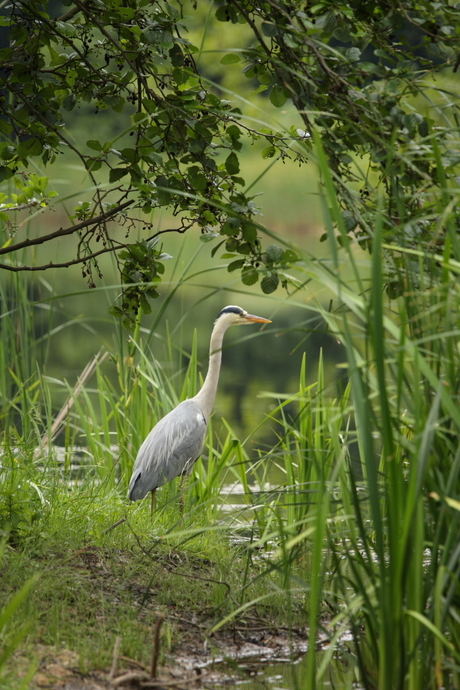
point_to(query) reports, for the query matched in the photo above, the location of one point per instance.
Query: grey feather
(169, 450)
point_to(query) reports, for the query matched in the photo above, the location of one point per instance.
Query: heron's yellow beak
(256, 319)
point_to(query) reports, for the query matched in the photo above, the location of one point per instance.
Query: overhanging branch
(71, 13)
(14, 268)
(62, 232)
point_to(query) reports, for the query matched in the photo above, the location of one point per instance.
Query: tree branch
(71, 13)
(65, 231)
(45, 267)
(32, 204)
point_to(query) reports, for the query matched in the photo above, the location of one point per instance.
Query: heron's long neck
(207, 394)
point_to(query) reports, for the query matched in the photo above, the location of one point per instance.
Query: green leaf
(274, 253)
(227, 229)
(349, 220)
(116, 311)
(342, 34)
(138, 251)
(277, 96)
(8, 152)
(131, 155)
(31, 147)
(270, 29)
(234, 131)
(244, 248)
(93, 165)
(268, 152)
(226, 13)
(172, 11)
(289, 256)
(71, 77)
(197, 179)
(69, 102)
(270, 283)
(117, 174)
(249, 232)
(146, 308)
(164, 197)
(94, 144)
(250, 276)
(208, 237)
(234, 265)
(216, 248)
(230, 59)
(231, 245)
(232, 164)
(5, 127)
(353, 54)
(180, 76)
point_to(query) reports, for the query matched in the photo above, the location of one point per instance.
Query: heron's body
(176, 442)
(169, 450)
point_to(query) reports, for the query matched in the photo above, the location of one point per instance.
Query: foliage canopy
(357, 72)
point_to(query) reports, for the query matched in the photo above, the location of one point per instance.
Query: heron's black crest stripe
(231, 310)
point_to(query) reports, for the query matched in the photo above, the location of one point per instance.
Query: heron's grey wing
(170, 449)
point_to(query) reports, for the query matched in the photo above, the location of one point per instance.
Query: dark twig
(198, 577)
(44, 267)
(156, 644)
(71, 13)
(118, 522)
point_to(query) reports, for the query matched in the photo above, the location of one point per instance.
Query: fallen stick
(113, 668)
(142, 679)
(156, 644)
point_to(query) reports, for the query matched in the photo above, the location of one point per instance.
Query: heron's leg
(152, 504)
(183, 483)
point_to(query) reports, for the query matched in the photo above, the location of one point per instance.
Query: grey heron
(177, 440)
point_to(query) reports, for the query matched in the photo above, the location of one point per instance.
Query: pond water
(266, 671)
(286, 676)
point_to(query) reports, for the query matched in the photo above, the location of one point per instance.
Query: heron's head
(235, 316)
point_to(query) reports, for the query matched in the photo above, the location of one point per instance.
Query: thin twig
(130, 677)
(115, 524)
(156, 644)
(198, 577)
(133, 662)
(21, 207)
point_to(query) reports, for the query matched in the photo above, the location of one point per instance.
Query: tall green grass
(371, 498)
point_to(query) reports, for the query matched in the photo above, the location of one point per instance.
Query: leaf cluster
(129, 59)
(357, 73)
(353, 71)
